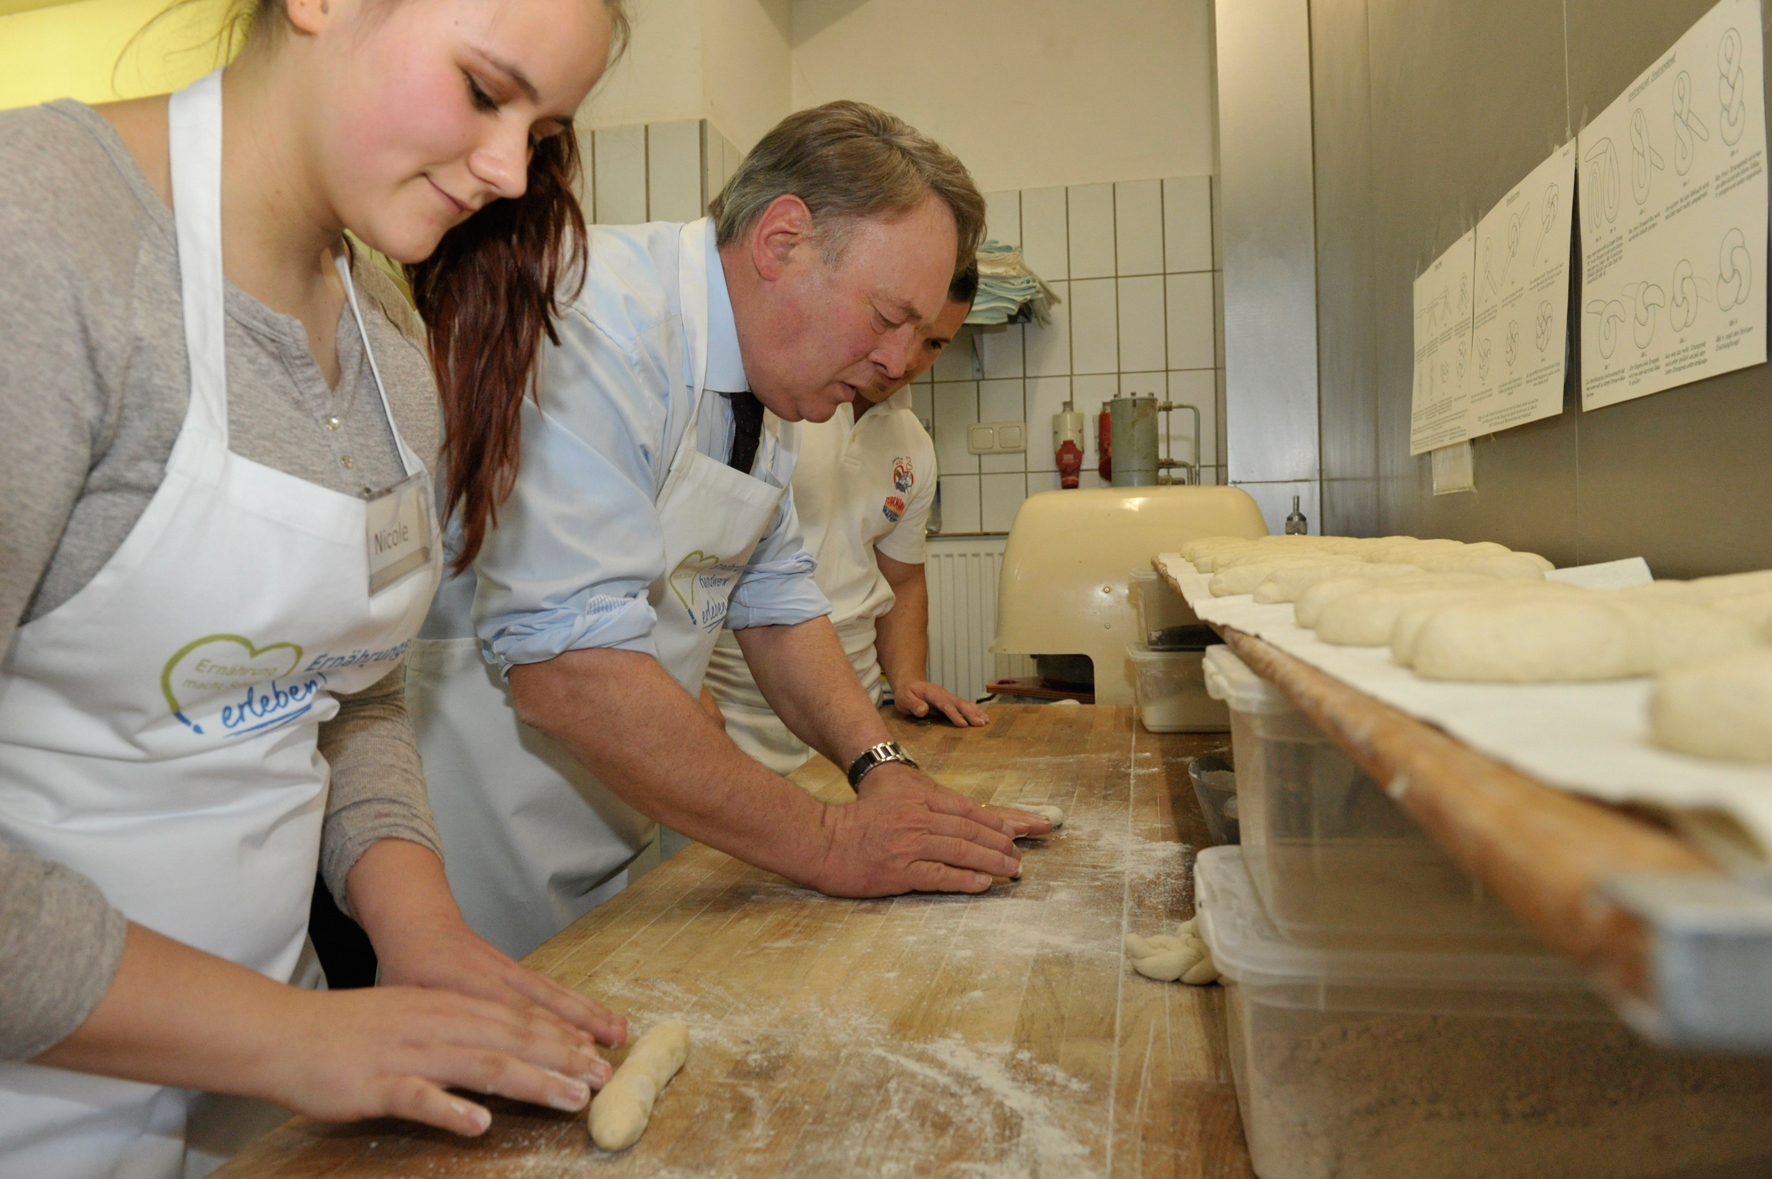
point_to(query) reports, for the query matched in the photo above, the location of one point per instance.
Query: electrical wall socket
(997, 437)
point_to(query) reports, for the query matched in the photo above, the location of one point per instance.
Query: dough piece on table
(1056, 814)
(1313, 601)
(1245, 577)
(1508, 566)
(1753, 609)
(1731, 585)
(619, 1112)
(1716, 708)
(1569, 638)
(1287, 583)
(1366, 619)
(1171, 957)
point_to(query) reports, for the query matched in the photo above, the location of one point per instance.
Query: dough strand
(619, 1113)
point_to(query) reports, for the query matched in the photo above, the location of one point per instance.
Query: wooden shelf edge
(1543, 851)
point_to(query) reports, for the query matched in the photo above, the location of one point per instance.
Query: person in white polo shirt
(863, 486)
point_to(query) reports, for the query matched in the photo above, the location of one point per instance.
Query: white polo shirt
(859, 488)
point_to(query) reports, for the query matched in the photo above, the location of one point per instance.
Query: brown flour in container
(1348, 1095)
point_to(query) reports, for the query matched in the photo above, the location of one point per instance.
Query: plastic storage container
(1456, 1064)
(1331, 855)
(1164, 617)
(1215, 786)
(1172, 692)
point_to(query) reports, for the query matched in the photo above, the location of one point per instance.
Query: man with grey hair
(654, 508)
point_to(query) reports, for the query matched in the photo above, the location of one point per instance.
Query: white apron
(158, 730)
(753, 725)
(532, 839)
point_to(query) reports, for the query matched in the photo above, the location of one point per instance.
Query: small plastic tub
(1172, 692)
(1458, 1063)
(1332, 856)
(1164, 617)
(1215, 785)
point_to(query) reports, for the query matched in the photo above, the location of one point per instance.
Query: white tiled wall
(654, 171)
(1134, 265)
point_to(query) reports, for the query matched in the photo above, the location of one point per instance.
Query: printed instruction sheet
(1673, 217)
(1520, 330)
(1439, 411)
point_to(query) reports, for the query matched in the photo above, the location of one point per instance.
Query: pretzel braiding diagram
(1610, 313)
(1644, 159)
(1688, 127)
(1602, 179)
(1734, 271)
(1682, 307)
(1649, 299)
(1731, 87)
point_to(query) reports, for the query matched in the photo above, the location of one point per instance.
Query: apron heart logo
(687, 573)
(223, 664)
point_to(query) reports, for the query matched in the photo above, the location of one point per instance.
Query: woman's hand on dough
(396, 1051)
(916, 699)
(905, 833)
(446, 955)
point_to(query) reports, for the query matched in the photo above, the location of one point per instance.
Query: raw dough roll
(1056, 814)
(1569, 637)
(1313, 601)
(618, 1113)
(1717, 708)
(1286, 582)
(1365, 619)
(1244, 577)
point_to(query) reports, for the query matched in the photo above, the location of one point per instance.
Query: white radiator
(962, 574)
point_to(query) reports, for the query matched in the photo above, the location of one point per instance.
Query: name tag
(401, 527)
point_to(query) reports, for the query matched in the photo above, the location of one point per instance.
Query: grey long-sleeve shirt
(93, 391)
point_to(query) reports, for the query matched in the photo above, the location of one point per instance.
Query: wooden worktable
(1001, 1035)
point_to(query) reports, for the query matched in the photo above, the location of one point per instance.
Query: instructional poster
(1439, 408)
(1673, 217)
(1519, 334)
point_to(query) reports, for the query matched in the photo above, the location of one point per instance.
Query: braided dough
(619, 1113)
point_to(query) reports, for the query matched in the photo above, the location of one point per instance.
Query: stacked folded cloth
(1008, 292)
(1483, 613)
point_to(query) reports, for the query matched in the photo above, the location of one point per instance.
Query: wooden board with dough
(1001, 1035)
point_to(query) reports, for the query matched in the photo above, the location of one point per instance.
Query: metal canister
(1134, 420)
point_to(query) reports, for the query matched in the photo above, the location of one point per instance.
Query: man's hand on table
(907, 833)
(916, 699)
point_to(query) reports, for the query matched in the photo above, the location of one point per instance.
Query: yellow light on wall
(89, 50)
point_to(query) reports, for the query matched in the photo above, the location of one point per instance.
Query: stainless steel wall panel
(1347, 387)
(1265, 176)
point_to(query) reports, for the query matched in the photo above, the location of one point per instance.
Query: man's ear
(785, 226)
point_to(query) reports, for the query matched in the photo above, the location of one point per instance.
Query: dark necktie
(747, 432)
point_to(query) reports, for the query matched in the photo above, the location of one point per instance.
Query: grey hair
(848, 161)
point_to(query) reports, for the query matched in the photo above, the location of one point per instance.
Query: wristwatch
(871, 759)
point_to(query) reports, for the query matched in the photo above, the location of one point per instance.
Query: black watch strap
(875, 757)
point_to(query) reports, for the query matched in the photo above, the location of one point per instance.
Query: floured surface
(1591, 738)
(996, 1037)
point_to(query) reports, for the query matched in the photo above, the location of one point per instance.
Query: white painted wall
(727, 61)
(1030, 93)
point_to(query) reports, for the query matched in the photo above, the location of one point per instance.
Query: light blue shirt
(579, 541)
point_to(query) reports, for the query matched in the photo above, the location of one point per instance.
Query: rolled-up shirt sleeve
(777, 587)
(578, 542)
